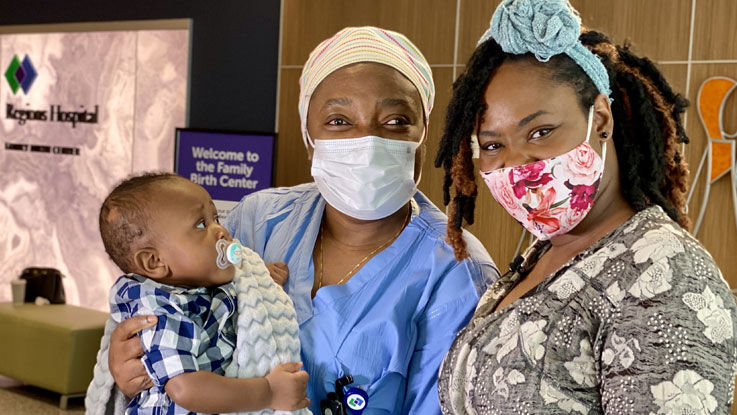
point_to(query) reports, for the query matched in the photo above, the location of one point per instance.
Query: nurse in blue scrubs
(378, 291)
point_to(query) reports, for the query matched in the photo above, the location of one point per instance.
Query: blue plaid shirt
(195, 331)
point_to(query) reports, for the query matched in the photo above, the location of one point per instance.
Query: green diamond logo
(10, 74)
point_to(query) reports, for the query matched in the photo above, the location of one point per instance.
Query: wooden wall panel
(430, 24)
(718, 232)
(658, 29)
(474, 20)
(715, 30)
(292, 165)
(676, 75)
(432, 178)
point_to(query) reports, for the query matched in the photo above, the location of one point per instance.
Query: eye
(398, 121)
(491, 146)
(540, 133)
(216, 219)
(200, 224)
(338, 122)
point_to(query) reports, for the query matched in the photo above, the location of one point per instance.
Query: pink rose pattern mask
(550, 197)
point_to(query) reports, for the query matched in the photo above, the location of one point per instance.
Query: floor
(19, 399)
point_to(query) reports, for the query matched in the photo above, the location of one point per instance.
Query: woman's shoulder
(276, 197)
(668, 293)
(652, 257)
(433, 223)
(258, 206)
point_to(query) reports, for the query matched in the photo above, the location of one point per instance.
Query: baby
(162, 231)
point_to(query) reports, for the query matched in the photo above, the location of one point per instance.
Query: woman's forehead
(519, 78)
(366, 81)
(527, 85)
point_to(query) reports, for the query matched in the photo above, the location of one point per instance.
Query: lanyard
(350, 402)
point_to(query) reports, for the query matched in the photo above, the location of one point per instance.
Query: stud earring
(604, 135)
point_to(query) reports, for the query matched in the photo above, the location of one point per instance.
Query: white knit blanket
(268, 335)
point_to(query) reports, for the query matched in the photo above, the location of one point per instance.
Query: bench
(50, 346)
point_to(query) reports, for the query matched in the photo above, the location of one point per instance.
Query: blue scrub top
(392, 323)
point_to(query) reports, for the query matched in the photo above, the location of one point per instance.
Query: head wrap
(545, 28)
(365, 44)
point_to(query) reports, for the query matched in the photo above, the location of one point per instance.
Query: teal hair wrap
(544, 28)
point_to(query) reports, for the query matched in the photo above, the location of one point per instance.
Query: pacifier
(229, 253)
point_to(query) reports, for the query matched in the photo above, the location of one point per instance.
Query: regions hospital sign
(21, 75)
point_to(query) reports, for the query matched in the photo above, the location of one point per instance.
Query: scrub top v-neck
(391, 324)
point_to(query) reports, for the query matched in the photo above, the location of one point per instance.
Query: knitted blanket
(268, 335)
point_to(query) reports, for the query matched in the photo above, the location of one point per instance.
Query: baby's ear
(150, 264)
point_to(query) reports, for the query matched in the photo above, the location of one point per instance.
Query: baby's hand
(288, 387)
(279, 272)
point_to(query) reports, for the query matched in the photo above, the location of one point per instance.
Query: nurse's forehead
(346, 101)
(366, 79)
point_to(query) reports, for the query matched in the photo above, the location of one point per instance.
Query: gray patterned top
(640, 322)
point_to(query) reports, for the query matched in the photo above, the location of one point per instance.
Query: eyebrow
(530, 117)
(393, 102)
(338, 101)
(386, 102)
(522, 123)
(488, 133)
(197, 210)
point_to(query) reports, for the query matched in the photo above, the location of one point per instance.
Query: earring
(604, 135)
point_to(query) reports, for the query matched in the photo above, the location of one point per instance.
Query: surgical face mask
(550, 197)
(366, 178)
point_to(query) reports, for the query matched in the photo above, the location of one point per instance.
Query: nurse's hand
(279, 272)
(124, 355)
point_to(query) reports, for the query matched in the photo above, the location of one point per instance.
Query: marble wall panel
(161, 85)
(49, 203)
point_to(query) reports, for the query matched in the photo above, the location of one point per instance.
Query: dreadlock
(647, 128)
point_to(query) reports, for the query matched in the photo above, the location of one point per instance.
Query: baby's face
(186, 228)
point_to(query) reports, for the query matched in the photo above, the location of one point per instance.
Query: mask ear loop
(604, 136)
(303, 125)
(603, 141)
(422, 140)
(424, 136)
(426, 125)
(589, 123)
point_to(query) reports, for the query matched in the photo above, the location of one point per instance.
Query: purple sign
(228, 165)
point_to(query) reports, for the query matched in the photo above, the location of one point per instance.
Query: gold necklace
(384, 244)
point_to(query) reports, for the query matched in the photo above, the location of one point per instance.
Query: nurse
(378, 291)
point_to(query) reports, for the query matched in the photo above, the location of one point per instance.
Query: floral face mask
(550, 197)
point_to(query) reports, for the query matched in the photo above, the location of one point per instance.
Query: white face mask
(366, 178)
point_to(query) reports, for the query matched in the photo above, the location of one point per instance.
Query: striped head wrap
(544, 28)
(365, 44)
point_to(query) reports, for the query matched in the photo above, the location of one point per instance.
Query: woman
(616, 308)
(377, 290)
